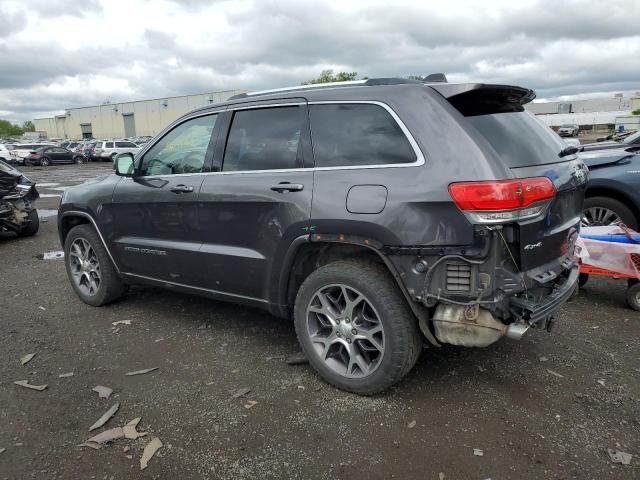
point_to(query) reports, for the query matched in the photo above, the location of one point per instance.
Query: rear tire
(100, 272)
(583, 278)
(79, 160)
(32, 227)
(633, 296)
(374, 301)
(596, 212)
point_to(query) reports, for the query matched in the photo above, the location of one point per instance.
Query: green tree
(327, 76)
(28, 126)
(415, 77)
(636, 111)
(7, 129)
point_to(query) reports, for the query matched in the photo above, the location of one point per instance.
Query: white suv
(108, 149)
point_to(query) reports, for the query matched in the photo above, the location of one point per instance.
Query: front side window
(182, 150)
(264, 139)
(357, 134)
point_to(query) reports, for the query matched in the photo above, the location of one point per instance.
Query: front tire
(89, 268)
(32, 227)
(45, 162)
(633, 296)
(354, 326)
(79, 160)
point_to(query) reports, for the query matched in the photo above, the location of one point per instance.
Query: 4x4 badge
(312, 228)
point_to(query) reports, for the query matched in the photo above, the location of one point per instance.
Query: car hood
(587, 147)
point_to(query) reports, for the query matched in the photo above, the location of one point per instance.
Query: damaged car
(378, 214)
(17, 196)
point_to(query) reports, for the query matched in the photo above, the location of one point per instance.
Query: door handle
(286, 186)
(182, 189)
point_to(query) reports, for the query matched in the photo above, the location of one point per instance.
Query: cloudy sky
(62, 53)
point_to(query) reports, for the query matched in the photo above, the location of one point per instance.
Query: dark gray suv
(376, 213)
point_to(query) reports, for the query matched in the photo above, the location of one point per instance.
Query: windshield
(566, 125)
(632, 138)
(519, 138)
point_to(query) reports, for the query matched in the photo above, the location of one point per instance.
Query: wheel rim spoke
(85, 267)
(345, 331)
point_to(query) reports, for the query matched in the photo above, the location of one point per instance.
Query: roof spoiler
(481, 99)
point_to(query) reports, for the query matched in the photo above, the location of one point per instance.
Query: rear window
(519, 139)
(357, 135)
(125, 145)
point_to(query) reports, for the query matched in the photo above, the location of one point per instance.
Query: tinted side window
(182, 150)
(264, 139)
(125, 145)
(357, 134)
(108, 145)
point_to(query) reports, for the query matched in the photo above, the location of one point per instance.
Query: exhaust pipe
(515, 331)
(454, 325)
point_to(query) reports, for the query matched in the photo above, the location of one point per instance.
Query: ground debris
(617, 456)
(103, 392)
(65, 375)
(543, 359)
(250, 404)
(411, 424)
(104, 418)
(240, 393)
(26, 384)
(478, 452)
(149, 451)
(97, 441)
(27, 358)
(121, 322)
(555, 374)
(297, 359)
(130, 429)
(441, 476)
(141, 372)
(600, 382)
(2, 450)
(53, 255)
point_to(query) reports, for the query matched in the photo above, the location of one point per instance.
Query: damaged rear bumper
(536, 312)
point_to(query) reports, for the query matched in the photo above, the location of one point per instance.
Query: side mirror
(123, 164)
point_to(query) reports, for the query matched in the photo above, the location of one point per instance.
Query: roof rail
(353, 83)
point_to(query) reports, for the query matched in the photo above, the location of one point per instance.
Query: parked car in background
(628, 141)
(46, 156)
(568, 130)
(107, 150)
(440, 212)
(22, 150)
(613, 192)
(5, 153)
(571, 142)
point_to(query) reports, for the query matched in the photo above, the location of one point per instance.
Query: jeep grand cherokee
(376, 213)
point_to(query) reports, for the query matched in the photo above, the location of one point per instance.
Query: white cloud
(55, 54)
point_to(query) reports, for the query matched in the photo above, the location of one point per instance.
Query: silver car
(108, 149)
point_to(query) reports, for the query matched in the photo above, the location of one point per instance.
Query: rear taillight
(503, 200)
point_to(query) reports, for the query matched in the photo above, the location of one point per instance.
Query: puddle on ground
(47, 212)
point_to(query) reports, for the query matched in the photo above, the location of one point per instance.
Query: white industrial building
(590, 114)
(124, 119)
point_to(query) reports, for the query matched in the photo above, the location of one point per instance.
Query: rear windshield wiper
(568, 151)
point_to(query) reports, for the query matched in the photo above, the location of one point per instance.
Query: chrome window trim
(69, 213)
(420, 160)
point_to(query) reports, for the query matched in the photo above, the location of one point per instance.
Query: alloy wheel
(600, 216)
(85, 267)
(345, 331)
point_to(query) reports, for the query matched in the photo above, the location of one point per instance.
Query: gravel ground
(547, 407)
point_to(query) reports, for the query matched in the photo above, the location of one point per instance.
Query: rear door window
(265, 139)
(125, 145)
(519, 139)
(357, 135)
(108, 145)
